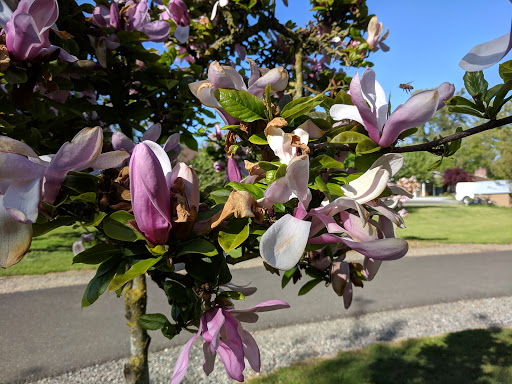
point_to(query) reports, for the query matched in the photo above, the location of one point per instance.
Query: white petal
(392, 162)
(110, 159)
(164, 160)
(312, 129)
(346, 112)
(22, 200)
(181, 33)
(487, 54)
(280, 143)
(284, 242)
(368, 186)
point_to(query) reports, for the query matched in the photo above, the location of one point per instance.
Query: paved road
(44, 332)
(432, 200)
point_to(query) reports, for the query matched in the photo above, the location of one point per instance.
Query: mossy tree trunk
(136, 371)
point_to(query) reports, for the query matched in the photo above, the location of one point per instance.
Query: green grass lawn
(468, 357)
(458, 224)
(49, 253)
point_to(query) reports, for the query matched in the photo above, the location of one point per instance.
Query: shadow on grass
(468, 357)
(423, 238)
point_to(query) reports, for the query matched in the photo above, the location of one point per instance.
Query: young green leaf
(234, 234)
(153, 321)
(241, 104)
(309, 286)
(134, 271)
(200, 246)
(97, 254)
(300, 107)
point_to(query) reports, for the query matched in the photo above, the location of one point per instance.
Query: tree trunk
(136, 371)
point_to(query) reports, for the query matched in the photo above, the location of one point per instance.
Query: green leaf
(281, 171)
(475, 83)
(200, 246)
(15, 76)
(349, 137)
(258, 139)
(232, 127)
(322, 186)
(407, 133)
(343, 97)
(267, 166)
(252, 189)
(466, 110)
(97, 254)
(233, 295)
(287, 276)
(96, 219)
(87, 197)
(115, 227)
(99, 283)
(220, 196)
(270, 176)
(241, 104)
(153, 321)
(41, 229)
(134, 271)
(459, 100)
(435, 165)
(366, 146)
(309, 286)
(506, 71)
(325, 162)
(300, 107)
(234, 234)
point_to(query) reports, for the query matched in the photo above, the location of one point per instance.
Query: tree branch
(427, 147)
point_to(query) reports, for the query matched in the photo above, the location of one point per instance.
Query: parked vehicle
(466, 191)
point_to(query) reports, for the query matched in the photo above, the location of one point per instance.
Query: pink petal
(231, 350)
(233, 171)
(172, 142)
(384, 249)
(151, 201)
(297, 178)
(16, 238)
(181, 33)
(446, 91)
(157, 31)
(416, 111)
(369, 118)
(251, 350)
(209, 359)
(163, 158)
(277, 78)
(14, 146)
(153, 133)
(22, 200)
(18, 167)
(111, 159)
(213, 322)
(255, 72)
(283, 244)
(279, 192)
(121, 142)
(353, 226)
(371, 267)
(78, 247)
(180, 368)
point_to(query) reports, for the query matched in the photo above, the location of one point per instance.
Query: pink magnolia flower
(219, 166)
(122, 142)
(223, 333)
(26, 179)
(28, 29)
(178, 12)
(370, 108)
(233, 170)
(374, 39)
(226, 77)
(151, 179)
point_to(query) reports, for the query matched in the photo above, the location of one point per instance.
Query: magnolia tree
(318, 159)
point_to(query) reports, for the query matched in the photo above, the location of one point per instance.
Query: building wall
(498, 199)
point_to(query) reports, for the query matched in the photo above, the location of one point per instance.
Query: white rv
(466, 191)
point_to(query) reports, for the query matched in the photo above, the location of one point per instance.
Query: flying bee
(406, 87)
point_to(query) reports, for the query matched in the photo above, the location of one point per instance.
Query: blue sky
(427, 38)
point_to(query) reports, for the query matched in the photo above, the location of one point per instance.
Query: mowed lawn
(49, 253)
(469, 357)
(458, 224)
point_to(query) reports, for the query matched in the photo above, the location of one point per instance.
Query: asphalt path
(45, 333)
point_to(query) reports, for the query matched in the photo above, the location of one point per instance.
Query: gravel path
(10, 284)
(284, 346)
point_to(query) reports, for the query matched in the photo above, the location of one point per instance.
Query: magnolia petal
(233, 170)
(23, 40)
(375, 96)
(391, 162)
(416, 111)
(347, 295)
(153, 133)
(487, 54)
(251, 350)
(297, 178)
(14, 146)
(231, 349)
(189, 177)
(346, 112)
(340, 276)
(78, 247)
(209, 359)
(369, 118)
(172, 142)
(18, 167)
(111, 159)
(237, 79)
(324, 222)
(280, 143)
(5, 14)
(245, 290)
(370, 267)
(303, 135)
(314, 132)
(163, 158)
(22, 200)
(16, 238)
(396, 190)
(446, 90)
(342, 204)
(368, 186)
(214, 11)
(213, 322)
(255, 72)
(277, 78)
(266, 306)
(219, 78)
(390, 214)
(122, 142)
(355, 228)
(383, 249)
(181, 33)
(150, 199)
(279, 192)
(180, 368)
(284, 242)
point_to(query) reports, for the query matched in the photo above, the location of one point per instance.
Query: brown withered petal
(230, 142)
(278, 122)
(63, 34)
(240, 204)
(5, 61)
